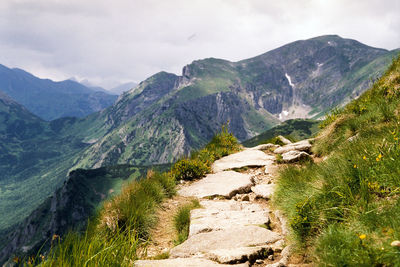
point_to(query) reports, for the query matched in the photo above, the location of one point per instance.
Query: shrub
(189, 169)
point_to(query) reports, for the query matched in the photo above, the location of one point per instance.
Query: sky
(109, 42)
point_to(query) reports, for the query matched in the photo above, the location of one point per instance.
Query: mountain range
(52, 100)
(167, 116)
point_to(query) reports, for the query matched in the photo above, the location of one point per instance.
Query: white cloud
(111, 41)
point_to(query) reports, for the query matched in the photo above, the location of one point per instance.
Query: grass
(118, 234)
(343, 211)
(182, 221)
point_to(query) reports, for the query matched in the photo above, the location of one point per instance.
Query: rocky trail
(236, 224)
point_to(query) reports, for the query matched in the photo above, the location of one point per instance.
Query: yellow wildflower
(355, 166)
(364, 158)
(380, 156)
(363, 236)
(378, 159)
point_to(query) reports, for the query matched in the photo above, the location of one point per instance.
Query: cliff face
(166, 116)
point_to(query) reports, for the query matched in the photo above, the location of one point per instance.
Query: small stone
(246, 198)
(271, 257)
(284, 140)
(259, 261)
(395, 243)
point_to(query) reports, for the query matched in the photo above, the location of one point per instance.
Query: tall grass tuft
(182, 221)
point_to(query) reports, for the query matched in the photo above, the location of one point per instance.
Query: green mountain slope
(34, 160)
(296, 129)
(68, 208)
(344, 210)
(51, 100)
(167, 115)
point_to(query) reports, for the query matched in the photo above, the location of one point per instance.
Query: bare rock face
(187, 262)
(299, 146)
(203, 244)
(264, 190)
(225, 184)
(219, 215)
(294, 156)
(242, 159)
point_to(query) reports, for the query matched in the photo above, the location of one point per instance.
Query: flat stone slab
(294, 156)
(231, 238)
(223, 214)
(245, 158)
(263, 147)
(299, 146)
(264, 190)
(225, 184)
(184, 262)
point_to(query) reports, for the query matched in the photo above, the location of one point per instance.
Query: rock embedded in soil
(294, 156)
(284, 140)
(225, 184)
(263, 190)
(246, 158)
(184, 262)
(219, 215)
(243, 254)
(299, 146)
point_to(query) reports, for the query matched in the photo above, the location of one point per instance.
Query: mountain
(167, 115)
(122, 88)
(51, 100)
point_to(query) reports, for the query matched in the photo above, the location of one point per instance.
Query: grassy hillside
(344, 210)
(295, 130)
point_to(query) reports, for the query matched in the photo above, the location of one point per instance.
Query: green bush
(189, 169)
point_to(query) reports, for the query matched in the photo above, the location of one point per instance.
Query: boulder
(225, 184)
(263, 190)
(294, 156)
(245, 158)
(218, 215)
(299, 146)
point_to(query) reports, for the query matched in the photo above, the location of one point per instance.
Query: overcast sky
(114, 41)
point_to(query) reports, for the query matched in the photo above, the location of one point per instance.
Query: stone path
(235, 225)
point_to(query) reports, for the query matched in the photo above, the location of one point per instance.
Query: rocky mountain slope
(51, 100)
(166, 116)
